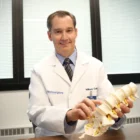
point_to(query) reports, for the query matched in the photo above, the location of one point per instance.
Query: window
(6, 59)
(36, 43)
(23, 35)
(28, 41)
(120, 27)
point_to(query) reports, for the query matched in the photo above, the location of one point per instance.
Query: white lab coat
(52, 94)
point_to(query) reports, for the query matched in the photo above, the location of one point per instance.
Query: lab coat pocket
(56, 97)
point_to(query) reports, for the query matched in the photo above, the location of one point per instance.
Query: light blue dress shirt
(72, 58)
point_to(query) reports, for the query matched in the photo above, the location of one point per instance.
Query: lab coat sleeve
(119, 123)
(69, 128)
(40, 111)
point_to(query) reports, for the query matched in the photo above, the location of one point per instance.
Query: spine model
(104, 115)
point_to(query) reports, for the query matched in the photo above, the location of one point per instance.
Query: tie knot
(67, 61)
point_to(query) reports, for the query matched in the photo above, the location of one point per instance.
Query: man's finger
(84, 108)
(97, 102)
(125, 109)
(89, 103)
(130, 103)
(119, 113)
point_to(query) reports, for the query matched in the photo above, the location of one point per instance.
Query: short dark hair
(59, 13)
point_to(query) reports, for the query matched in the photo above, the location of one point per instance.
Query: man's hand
(82, 110)
(124, 108)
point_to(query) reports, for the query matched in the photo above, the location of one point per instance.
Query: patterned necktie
(67, 67)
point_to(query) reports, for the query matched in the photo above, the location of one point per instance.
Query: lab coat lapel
(60, 71)
(80, 69)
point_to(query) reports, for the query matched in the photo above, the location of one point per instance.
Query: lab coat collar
(80, 68)
(81, 58)
(58, 68)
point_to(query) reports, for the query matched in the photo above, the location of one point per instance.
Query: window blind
(120, 28)
(6, 57)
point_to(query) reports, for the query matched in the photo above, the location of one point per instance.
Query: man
(59, 87)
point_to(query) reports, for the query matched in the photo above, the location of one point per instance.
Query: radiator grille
(133, 120)
(16, 131)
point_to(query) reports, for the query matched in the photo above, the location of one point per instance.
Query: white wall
(13, 106)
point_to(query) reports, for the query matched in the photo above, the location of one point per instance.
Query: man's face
(63, 34)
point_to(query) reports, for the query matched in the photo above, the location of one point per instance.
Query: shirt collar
(72, 57)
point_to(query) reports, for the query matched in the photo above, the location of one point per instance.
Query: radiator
(21, 133)
(16, 133)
